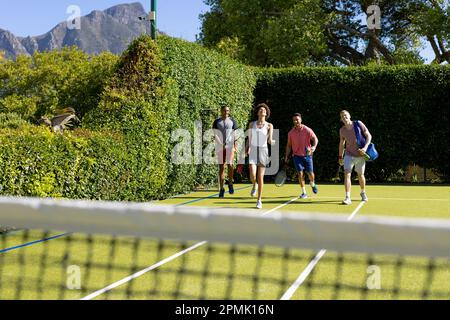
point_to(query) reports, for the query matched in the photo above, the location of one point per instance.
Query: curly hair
(259, 106)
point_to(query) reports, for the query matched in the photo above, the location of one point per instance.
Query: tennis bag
(361, 141)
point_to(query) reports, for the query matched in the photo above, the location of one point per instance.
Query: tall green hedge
(406, 108)
(159, 88)
(204, 81)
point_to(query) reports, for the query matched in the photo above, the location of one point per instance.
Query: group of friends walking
(302, 143)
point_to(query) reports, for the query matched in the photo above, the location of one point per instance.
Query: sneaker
(231, 189)
(347, 201)
(304, 196)
(222, 193)
(259, 204)
(364, 197)
(253, 192)
(314, 189)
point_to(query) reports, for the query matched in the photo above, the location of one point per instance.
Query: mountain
(110, 30)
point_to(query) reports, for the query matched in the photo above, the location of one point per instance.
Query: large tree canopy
(317, 32)
(433, 22)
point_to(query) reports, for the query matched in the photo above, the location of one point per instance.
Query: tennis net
(63, 249)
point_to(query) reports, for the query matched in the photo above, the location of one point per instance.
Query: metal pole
(153, 18)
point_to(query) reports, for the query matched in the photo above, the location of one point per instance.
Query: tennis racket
(338, 173)
(281, 177)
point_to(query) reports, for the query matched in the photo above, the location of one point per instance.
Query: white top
(260, 135)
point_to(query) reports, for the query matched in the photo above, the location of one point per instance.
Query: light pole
(152, 18)
(153, 6)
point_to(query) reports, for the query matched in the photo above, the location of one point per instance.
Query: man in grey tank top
(224, 132)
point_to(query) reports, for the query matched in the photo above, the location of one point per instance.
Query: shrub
(39, 85)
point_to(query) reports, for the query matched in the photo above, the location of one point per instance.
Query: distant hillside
(109, 30)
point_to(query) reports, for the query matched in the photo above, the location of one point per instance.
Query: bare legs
(348, 186)
(301, 178)
(257, 177)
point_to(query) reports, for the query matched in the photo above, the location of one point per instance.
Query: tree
(292, 32)
(273, 32)
(432, 21)
(296, 37)
(39, 85)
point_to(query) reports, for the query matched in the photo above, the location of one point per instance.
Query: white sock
(304, 190)
(313, 184)
(363, 190)
(347, 195)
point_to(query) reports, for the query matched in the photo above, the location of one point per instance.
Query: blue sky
(178, 18)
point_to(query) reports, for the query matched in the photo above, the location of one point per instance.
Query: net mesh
(94, 250)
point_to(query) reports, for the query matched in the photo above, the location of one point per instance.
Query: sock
(304, 190)
(363, 190)
(347, 195)
(313, 184)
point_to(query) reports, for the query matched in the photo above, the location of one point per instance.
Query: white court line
(140, 273)
(309, 268)
(356, 211)
(280, 206)
(398, 199)
(162, 262)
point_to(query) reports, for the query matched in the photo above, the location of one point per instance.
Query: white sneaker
(254, 190)
(364, 197)
(259, 204)
(347, 201)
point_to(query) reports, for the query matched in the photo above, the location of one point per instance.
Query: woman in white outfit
(260, 134)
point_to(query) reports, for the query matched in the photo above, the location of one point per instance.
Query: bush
(12, 121)
(79, 164)
(406, 108)
(39, 85)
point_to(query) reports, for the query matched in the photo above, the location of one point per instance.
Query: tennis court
(122, 267)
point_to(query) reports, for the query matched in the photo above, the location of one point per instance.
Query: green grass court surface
(39, 271)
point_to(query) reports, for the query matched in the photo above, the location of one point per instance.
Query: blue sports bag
(361, 141)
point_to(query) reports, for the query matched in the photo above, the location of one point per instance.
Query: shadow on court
(235, 198)
(278, 202)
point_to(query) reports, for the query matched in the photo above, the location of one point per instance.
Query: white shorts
(259, 156)
(358, 162)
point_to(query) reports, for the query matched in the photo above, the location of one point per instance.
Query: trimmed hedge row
(80, 164)
(406, 108)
